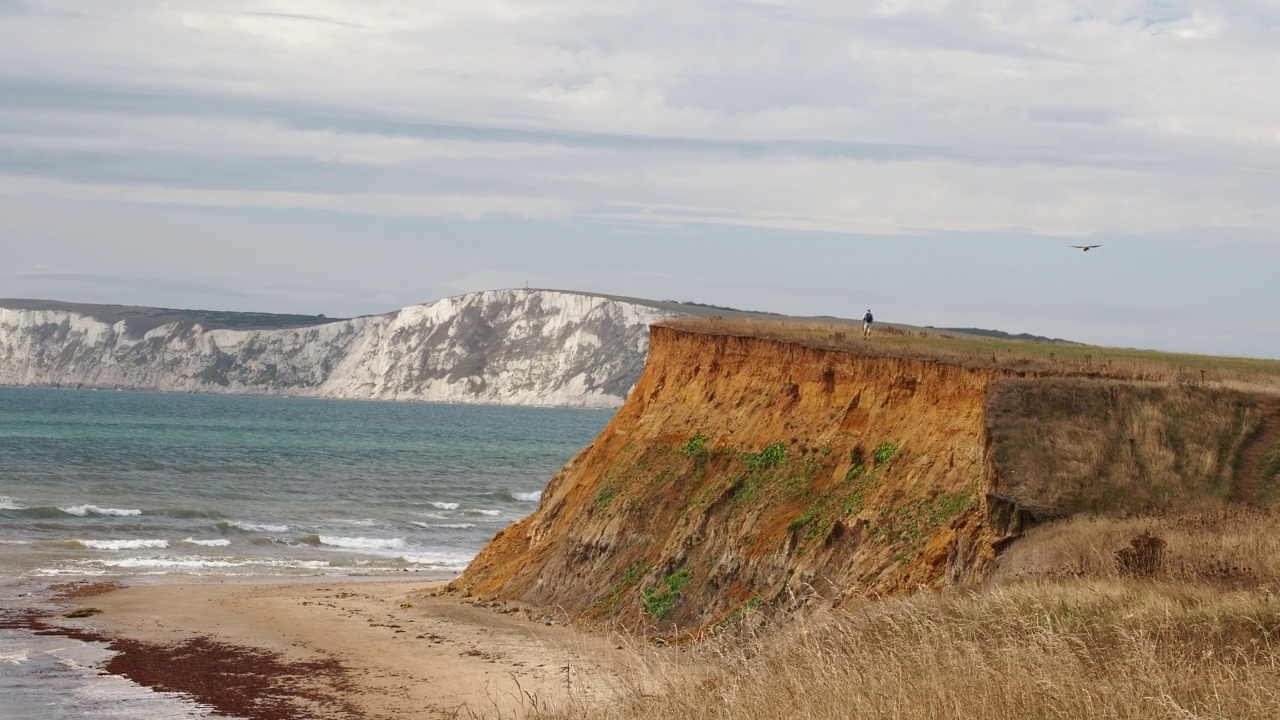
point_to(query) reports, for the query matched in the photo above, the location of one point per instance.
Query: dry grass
(1079, 649)
(1060, 632)
(1218, 544)
(1070, 445)
(1042, 358)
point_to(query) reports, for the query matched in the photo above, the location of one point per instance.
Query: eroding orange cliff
(746, 472)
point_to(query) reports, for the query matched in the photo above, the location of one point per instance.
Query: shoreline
(344, 647)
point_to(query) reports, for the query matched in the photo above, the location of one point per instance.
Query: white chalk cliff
(507, 347)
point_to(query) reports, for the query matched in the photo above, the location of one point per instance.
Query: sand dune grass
(1060, 632)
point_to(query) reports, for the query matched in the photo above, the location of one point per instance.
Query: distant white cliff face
(507, 347)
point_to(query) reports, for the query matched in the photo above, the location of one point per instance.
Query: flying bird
(1085, 248)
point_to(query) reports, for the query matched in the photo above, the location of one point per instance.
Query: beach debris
(81, 612)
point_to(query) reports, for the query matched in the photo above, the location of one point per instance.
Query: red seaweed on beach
(239, 681)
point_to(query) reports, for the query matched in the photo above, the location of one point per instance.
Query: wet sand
(349, 649)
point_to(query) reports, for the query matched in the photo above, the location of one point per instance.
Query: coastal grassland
(1217, 544)
(1061, 631)
(1064, 446)
(1026, 356)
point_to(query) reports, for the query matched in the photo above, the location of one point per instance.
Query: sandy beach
(348, 649)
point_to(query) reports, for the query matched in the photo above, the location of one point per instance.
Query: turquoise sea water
(109, 483)
(147, 487)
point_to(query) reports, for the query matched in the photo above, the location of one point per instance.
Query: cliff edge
(746, 471)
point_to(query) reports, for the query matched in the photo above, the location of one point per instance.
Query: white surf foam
(8, 503)
(360, 543)
(453, 526)
(444, 505)
(490, 513)
(84, 510)
(208, 543)
(528, 497)
(16, 657)
(124, 544)
(78, 570)
(196, 564)
(445, 561)
(258, 527)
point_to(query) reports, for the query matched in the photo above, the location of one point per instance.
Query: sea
(138, 487)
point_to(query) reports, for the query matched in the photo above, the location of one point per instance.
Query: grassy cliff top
(1038, 357)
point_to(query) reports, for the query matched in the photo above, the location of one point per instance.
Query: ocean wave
(489, 513)
(77, 571)
(360, 543)
(444, 505)
(36, 513)
(223, 542)
(123, 544)
(192, 564)
(453, 526)
(185, 513)
(16, 657)
(444, 561)
(513, 496)
(8, 503)
(252, 527)
(304, 541)
(85, 510)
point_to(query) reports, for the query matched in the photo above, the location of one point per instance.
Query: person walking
(866, 324)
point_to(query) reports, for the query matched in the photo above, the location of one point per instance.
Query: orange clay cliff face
(745, 472)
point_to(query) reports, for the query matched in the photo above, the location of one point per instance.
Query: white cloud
(904, 118)
(389, 204)
(217, 136)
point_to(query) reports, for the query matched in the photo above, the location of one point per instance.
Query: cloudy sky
(931, 160)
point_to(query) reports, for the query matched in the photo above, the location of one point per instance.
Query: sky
(932, 161)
